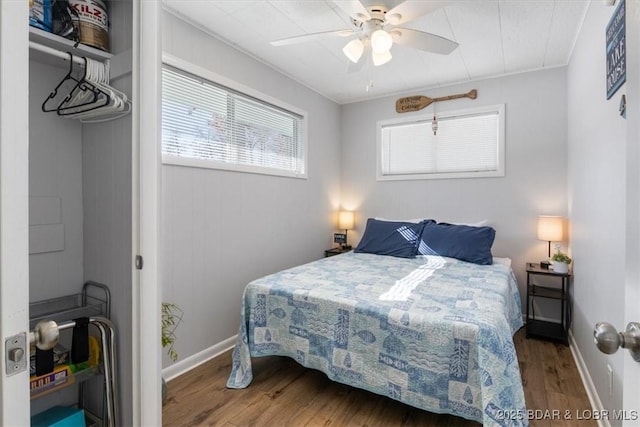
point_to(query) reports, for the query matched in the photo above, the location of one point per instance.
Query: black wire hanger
(81, 84)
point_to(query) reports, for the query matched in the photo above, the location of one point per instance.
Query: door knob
(45, 335)
(608, 339)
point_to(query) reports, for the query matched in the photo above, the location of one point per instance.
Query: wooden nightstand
(335, 251)
(541, 328)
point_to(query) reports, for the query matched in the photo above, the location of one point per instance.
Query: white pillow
(417, 220)
(472, 224)
(413, 220)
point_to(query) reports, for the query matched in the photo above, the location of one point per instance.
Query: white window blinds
(210, 122)
(466, 144)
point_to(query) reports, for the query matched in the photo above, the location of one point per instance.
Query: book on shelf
(60, 375)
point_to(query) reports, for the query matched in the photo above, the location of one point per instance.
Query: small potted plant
(170, 319)
(561, 262)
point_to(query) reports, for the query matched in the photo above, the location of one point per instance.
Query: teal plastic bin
(59, 416)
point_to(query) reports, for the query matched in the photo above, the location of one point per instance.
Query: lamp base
(544, 265)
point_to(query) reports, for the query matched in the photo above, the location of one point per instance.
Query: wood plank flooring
(284, 393)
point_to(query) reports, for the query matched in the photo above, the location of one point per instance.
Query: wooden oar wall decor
(416, 103)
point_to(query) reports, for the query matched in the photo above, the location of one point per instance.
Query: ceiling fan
(376, 30)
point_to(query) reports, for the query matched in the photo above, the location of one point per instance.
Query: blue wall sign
(616, 50)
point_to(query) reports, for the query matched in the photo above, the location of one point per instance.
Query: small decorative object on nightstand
(561, 261)
(540, 328)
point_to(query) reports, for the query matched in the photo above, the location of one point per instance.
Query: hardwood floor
(284, 393)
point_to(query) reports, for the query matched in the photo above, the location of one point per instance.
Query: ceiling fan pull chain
(434, 122)
(369, 85)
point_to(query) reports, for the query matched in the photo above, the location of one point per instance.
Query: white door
(631, 380)
(14, 205)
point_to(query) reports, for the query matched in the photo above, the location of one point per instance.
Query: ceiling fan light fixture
(381, 41)
(381, 58)
(353, 50)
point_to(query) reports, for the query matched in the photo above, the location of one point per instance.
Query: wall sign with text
(616, 50)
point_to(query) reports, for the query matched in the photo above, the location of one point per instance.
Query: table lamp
(550, 229)
(345, 222)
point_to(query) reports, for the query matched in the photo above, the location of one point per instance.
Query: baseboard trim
(198, 359)
(592, 393)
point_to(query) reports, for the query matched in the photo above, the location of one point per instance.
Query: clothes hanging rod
(55, 52)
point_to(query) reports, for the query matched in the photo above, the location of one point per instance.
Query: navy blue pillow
(395, 238)
(464, 242)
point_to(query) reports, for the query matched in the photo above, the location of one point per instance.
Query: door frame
(14, 202)
(146, 300)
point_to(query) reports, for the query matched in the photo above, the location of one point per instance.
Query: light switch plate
(16, 355)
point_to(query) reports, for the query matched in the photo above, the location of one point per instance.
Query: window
(207, 124)
(468, 144)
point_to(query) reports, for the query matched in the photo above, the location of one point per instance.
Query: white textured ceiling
(496, 37)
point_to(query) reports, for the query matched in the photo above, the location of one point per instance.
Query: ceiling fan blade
(354, 9)
(311, 37)
(410, 10)
(423, 41)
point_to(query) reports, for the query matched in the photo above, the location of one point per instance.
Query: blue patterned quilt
(432, 332)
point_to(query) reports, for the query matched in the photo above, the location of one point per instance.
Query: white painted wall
(536, 158)
(222, 229)
(106, 152)
(55, 177)
(597, 175)
(107, 191)
(55, 200)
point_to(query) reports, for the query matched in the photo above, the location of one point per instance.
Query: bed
(431, 331)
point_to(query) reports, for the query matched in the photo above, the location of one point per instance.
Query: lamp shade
(550, 228)
(353, 50)
(345, 220)
(381, 58)
(381, 41)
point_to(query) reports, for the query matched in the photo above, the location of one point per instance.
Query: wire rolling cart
(92, 305)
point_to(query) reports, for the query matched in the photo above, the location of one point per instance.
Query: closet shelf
(51, 40)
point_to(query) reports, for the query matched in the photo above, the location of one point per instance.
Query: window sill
(168, 159)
